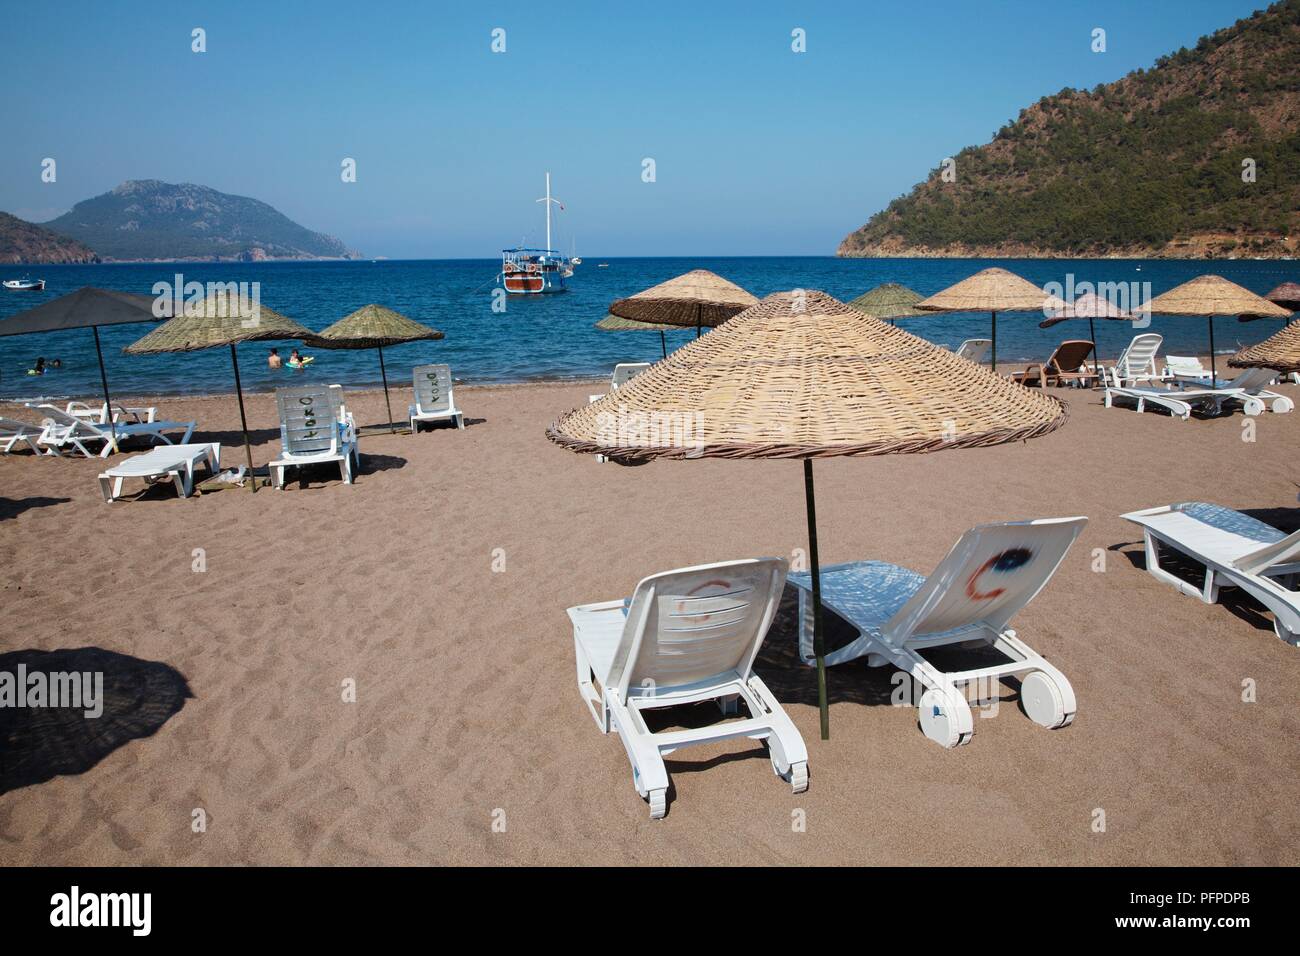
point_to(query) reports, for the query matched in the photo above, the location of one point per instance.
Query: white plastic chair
(992, 572)
(64, 431)
(684, 637)
(435, 399)
(1137, 363)
(314, 429)
(977, 350)
(1237, 551)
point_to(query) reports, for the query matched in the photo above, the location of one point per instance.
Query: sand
(466, 710)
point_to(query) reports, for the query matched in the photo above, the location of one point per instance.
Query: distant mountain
(148, 219)
(1151, 165)
(22, 241)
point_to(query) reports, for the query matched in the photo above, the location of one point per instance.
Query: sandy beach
(439, 581)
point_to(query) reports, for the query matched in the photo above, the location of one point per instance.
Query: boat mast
(548, 201)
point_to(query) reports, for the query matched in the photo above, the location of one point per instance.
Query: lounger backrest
(53, 415)
(1253, 379)
(433, 388)
(626, 371)
(1279, 552)
(1139, 358)
(308, 419)
(977, 350)
(1070, 355)
(992, 572)
(696, 626)
(12, 426)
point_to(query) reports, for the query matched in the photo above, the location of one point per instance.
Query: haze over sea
(552, 337)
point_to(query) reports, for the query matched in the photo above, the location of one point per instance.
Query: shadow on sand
(13, 507)
(40, 743)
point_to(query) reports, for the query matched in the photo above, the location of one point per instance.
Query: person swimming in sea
(56, 363)
(299, 361)
(39, 368)
(273, 360)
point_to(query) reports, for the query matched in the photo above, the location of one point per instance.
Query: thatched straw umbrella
(220, 320)
(612, 323)
(372, 327)
(889, 301)
(88, 307)
(992, 290)
(1212, 295)
(1286, 295)
(1280, 352)
(1088, 306)
(698, 298)
(803, 376)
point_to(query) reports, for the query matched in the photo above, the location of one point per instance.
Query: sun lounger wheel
(937, 712)
(1043, 701)
(658, 800)
(1291, 637)
(799, 776)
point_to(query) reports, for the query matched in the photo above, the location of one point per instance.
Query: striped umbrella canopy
(699, 299)
(372, 327)
(1211, 295)
(223, 320)
(992, 290)
(801, 375)
(891, 301)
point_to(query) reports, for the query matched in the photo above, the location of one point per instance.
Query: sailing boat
(526, 271)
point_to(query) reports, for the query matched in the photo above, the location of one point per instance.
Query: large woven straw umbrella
(372, 327)
(992, 290)
(87, 307)
(1280, 352)
(889, 301)
(612, 323)
(1088, 306)
(801, 375)
(698, 298)
(1286, 295)
(1212, 295)
(221, 320)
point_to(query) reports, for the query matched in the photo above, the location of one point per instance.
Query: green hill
(1150, 165)
(148, 219)
(22, 241)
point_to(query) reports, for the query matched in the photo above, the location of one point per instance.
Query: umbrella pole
(663, 343)
(387, 404)
(1214, 375)
(819, 640)
(1096, 359)
(243, 421)
(994, 342)
(108, 402)
(698, 307)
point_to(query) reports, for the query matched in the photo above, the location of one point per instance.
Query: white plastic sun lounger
(977, 350)
(174, 462)
(64, 432)
(435, 397)
(1179, 401)
(314, 429)
(98, 414)
(13, 431)
(1237, 551)
(992, 572)
(684, 637)
(624, 372)
(1137, 363)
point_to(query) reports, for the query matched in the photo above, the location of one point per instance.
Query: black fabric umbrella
(87, 308)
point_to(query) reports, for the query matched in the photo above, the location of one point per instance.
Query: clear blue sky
(759, 150)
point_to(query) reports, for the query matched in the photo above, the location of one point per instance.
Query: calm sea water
(551, 337)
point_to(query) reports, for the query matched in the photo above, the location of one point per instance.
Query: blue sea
(551, 337)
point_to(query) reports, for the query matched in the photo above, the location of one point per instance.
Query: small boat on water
(527, 271)
(24, 285)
